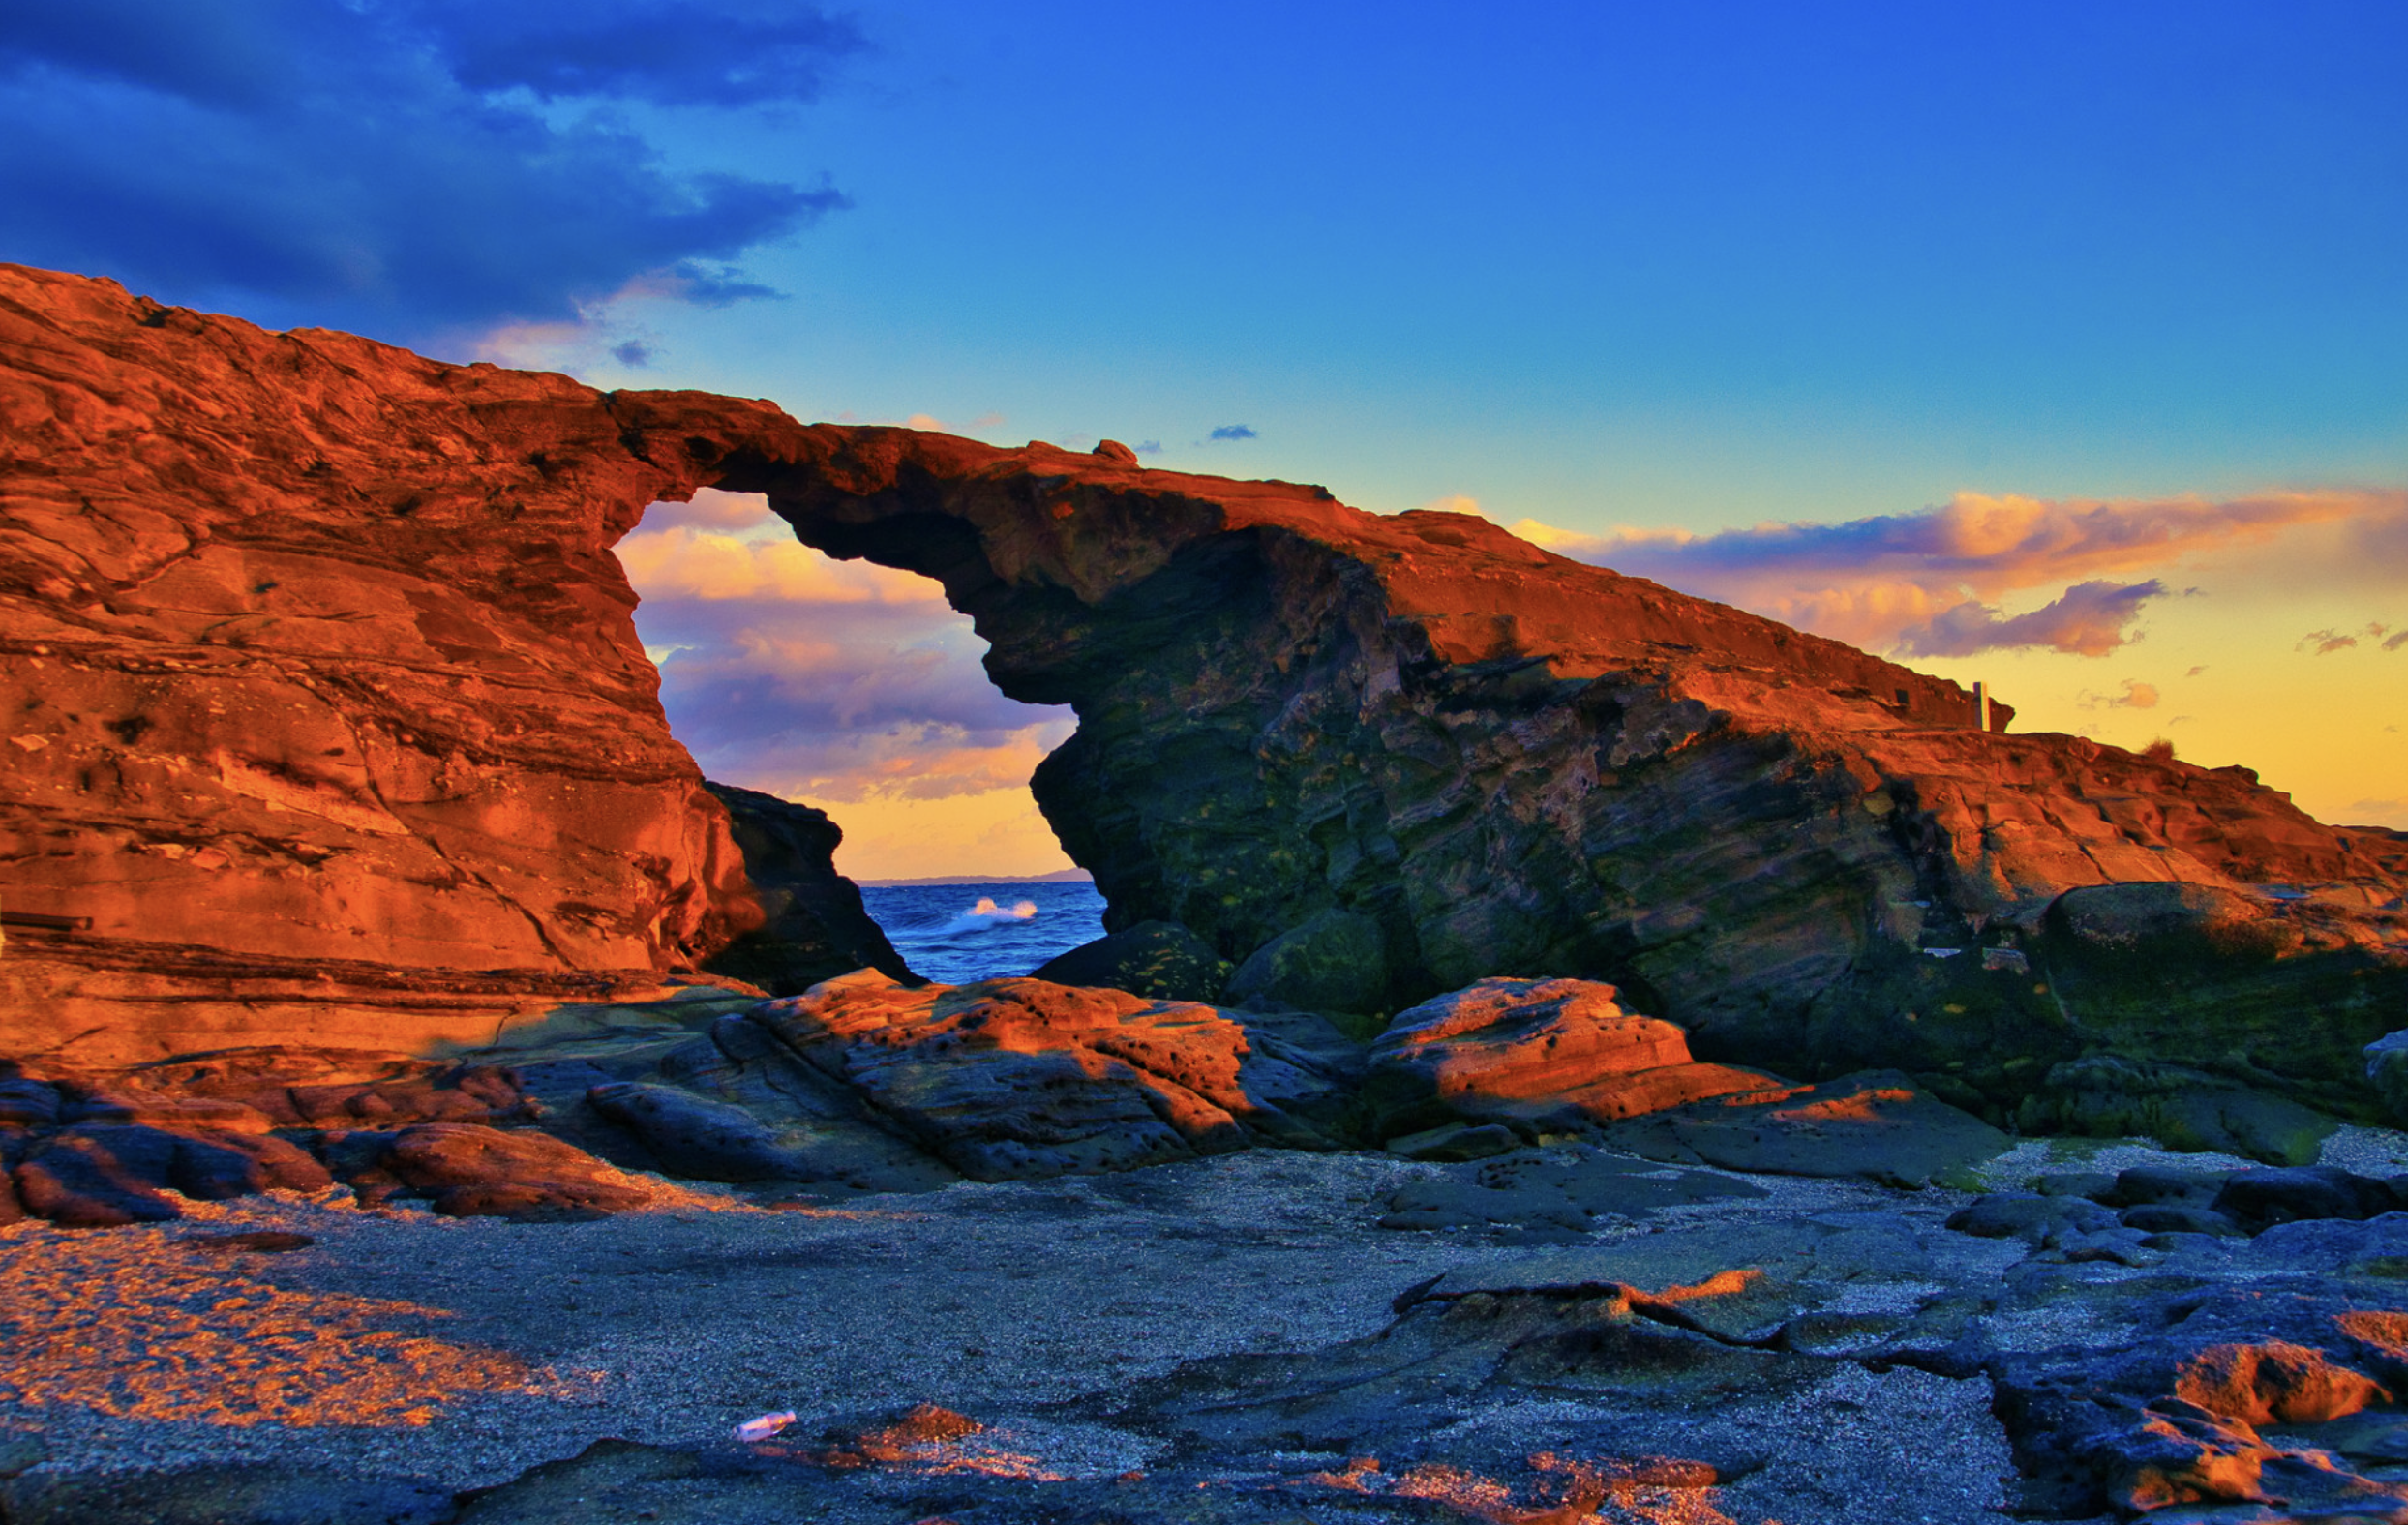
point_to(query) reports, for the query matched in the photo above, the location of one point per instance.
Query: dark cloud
(634, 354)
(1148, 447)
(2396, 641)
(384, 166)
(2091, 619)
(1234, 431)
(660, 50)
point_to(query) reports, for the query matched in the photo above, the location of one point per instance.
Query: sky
(2060, 345)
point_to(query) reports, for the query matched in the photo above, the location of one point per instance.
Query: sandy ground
(465, 1351)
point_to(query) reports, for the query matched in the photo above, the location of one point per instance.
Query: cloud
(683, 561)
(2091, 619)
(2396, 640)
(930, 421)
(670, 52)
(1148, 447)
(1453, 503)
(384, 165)
(2135, 695)
(1936, 582)
(1233, 432)
(2326, 642)
(634, 354)
(831, 681)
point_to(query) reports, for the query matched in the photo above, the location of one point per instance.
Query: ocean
(956, 933)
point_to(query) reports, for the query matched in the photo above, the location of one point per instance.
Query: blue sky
(1601, 268)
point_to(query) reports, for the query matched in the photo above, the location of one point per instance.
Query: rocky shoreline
(1024, 1251)
(1564, 1050)
(1233, 1338)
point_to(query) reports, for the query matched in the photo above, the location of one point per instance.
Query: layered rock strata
(1365, 758)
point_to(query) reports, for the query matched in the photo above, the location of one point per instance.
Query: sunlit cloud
(2133, 695)
(684, 561)
(836, 683)
(1940, 582)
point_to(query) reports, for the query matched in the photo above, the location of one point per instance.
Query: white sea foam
(987, 916)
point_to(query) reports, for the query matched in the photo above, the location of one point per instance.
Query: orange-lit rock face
(2274, 1384)
(1022, 1078)
(316, 651)
(1537, 1050)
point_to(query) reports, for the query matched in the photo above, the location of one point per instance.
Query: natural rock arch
(342, 693)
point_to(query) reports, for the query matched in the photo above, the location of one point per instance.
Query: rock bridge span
(327, 709)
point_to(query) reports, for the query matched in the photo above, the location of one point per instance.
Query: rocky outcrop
(1016, 1077)
(319, 668)
(1537, 1053)
(318, 654)
(815, 925)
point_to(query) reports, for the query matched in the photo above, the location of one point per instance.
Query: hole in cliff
(858, 689)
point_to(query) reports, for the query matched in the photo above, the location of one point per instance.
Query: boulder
(297, 1085)
(1012, 1078)
(28, 1103)
(2151, 1186)
(98, 1174)
(1159, 960)
(1570, 1191)
(1876, 1125)
(2036, 1221)
(692, 1135)
(2106, 1096)
(100, 1177)
(2258, 1198)
(1456, 1142)
(473, 1170)
(1561, 1053)
(816, 925)
(2387, 1072)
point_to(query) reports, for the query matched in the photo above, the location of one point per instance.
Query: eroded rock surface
(1019, 1077)
(1538, 1053)
(323, 668)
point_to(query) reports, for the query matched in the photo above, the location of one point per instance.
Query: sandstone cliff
(339, 667)
(324, 704)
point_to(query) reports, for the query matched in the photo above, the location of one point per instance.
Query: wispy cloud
(2324, 643)
(2133, 695)
(1937, 583)
(1233, 432)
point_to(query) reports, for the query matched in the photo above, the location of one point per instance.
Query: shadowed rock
(816, 925)
(1876, 1125)
(1158, 960)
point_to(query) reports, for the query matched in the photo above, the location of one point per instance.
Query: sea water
(956, 933)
